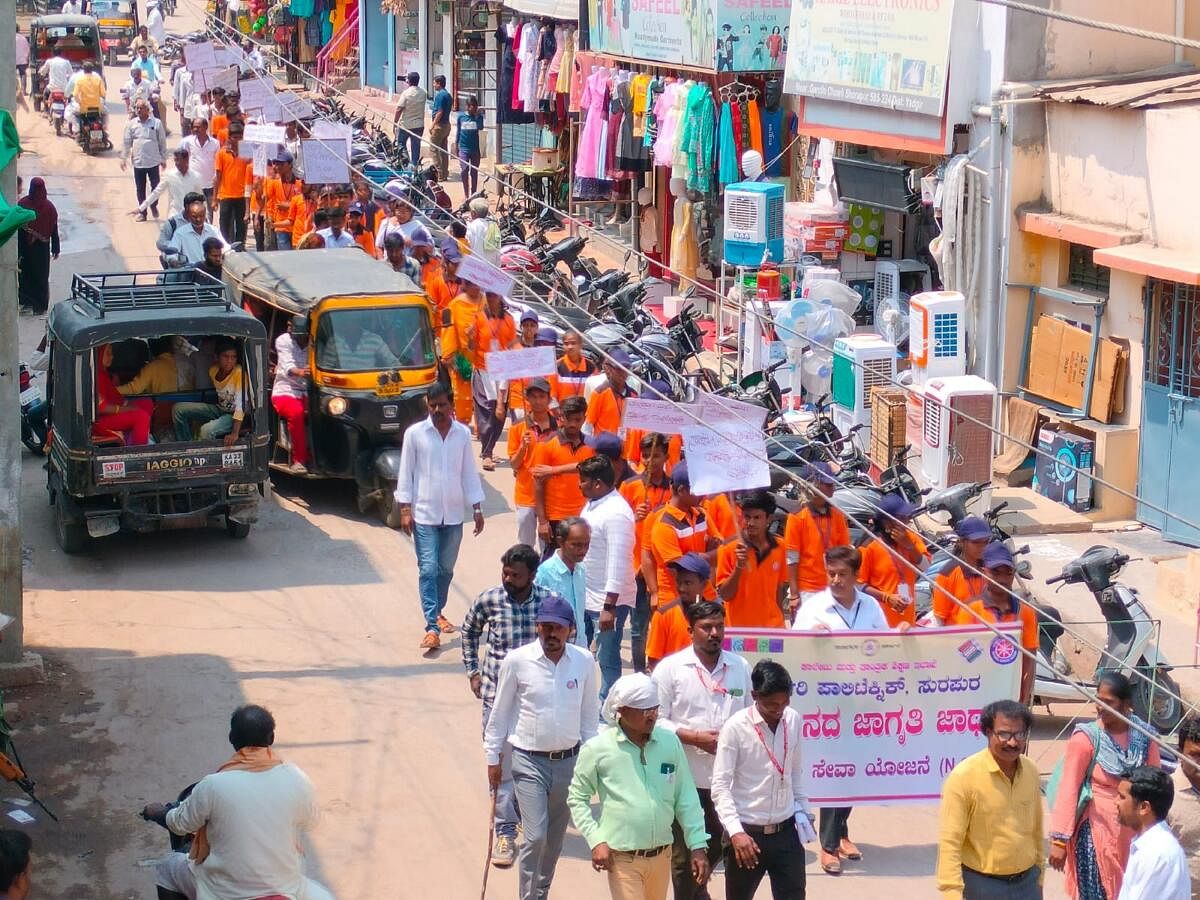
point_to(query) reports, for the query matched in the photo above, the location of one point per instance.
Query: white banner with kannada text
(886, 716)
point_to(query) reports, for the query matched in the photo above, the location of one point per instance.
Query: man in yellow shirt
(159, 376)
(990, 835)
(89, 89)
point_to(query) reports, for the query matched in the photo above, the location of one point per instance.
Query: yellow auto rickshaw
(118, 21)
(370, 354)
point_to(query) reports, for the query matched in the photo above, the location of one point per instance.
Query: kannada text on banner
(886, 716)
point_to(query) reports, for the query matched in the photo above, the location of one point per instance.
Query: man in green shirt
(644, 783)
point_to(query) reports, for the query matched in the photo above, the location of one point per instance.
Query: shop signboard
(880, 53)
(667, 31)
(752, 35)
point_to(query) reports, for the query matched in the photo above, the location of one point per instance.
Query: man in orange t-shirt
(752, 570)
(680, 527)
(555, 469)
(278, 192)
(458, 354)
(494, 331)
(813, 529)
(997, 604)
(358, 230)
(960, 579)
(645, 493)
(574, 369)
(891, 561)
(442, 285)
(523, 437)
(669, 629)
(606, 409)
(230, 187)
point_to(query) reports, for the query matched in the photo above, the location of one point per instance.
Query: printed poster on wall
(882, 53)
(886, 716)
(676, 31)
(752, 35)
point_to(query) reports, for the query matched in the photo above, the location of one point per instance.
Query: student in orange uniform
(523, 437)
(997, 604)
(230, 184)
(512, 399)
(752, 569)
(811, 531)
(890, 561)
(302, 212)
(961, 576)
(724, 521)
(278, 192)
(420, 247)
(606, 409)
(494, 330)
(645, 492)
(458, 346)
(358, 230)
(669, 631)
(574, 369)
(680, 527)
(442, 285)
(554, 466)
(655, 389)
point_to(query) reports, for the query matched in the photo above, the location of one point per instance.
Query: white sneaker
(503, 852)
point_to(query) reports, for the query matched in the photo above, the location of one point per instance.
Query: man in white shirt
(57, 72)
(1157, 866)
(181, 91)
(410, 117)
(188, 241)
(483, 232)
(336, 235)
(611, 580)
(178, 183)
(202, 153)
(21, 52)
(699, 688)
(758, 790)
(254, 812)
(546, 704)
(437, 477)
(840, 607)
(289, 392)
(155, 24)
(72, 8)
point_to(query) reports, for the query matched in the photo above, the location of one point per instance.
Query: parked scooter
(1131, 642)
(33, 413)
(860, 502)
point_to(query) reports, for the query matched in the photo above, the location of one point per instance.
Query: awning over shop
(563, 10)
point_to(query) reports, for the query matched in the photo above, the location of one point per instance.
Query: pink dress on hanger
(668, 115)
(514, 101)
(593, 138)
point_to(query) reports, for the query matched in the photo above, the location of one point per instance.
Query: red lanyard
(715, 687)
(778, 764)
(825, 530)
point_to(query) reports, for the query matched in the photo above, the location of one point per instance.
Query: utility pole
(12, 638)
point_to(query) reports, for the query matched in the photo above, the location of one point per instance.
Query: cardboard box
(1058, 364)
(1060, 482)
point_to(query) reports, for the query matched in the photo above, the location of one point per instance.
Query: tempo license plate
(391, 389)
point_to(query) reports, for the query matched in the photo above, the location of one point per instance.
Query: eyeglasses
(1005, 736)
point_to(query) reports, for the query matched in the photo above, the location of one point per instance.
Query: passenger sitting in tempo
(158, 376)
(130, 420)
(223, 418)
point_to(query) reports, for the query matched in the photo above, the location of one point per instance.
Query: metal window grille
(1083, 273)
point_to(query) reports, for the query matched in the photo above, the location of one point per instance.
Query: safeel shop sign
(881, 53)
(726, 35)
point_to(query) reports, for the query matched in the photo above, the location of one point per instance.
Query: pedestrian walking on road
(37, 244)
(611, 586)
(641, 774)
(21, 52)
(468, 147)
(809, 532)
(437, 480)
(546, 704)
(1185, 811)
(439, 125)
(1158, 868)
(752, 568)
(508, 613)
(564, 572)
(231, 183)
(758, 790)
(146, 148)
(1094, 847)
(990, 833)
(555, 469)
(176, 184)
(410, 117)
(699, 688)
(535, 426)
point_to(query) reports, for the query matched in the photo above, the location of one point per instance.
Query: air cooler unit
(894, 278)
(860, 363)
(937, 334)
(958, 413)
(753, 223)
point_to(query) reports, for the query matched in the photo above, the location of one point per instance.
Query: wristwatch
(610, 607)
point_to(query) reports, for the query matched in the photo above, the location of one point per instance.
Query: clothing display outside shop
(536, 61)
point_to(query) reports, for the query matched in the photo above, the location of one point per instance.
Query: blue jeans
(608, 647)
(213, 422)
(437, 551)
(507, 813)
(639, 626)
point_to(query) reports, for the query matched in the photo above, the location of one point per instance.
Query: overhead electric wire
(803, 482)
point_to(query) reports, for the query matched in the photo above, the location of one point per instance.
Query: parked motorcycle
(1131, 642)
(860, 502)
(33, 413)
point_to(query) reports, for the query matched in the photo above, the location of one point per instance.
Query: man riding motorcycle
(87, 97)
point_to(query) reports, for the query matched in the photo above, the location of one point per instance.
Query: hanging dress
(593, 137)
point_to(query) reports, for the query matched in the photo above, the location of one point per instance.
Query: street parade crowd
(672, 756)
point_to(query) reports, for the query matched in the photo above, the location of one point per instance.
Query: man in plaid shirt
(509, 614)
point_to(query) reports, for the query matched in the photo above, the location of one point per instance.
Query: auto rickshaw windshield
(363, 340)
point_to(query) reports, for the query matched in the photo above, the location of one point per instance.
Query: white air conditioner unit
(937, 334)
(753, 223)
(896, 277)
(958, 412)
(860, 363)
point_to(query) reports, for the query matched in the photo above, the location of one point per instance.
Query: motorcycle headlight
(337, 405)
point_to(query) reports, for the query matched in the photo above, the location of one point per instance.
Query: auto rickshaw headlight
(338, 405)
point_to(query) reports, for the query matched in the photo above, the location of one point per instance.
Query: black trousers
(140, 177)
(232, 219)
(834, 827)
(681, 857)
(780, 858)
